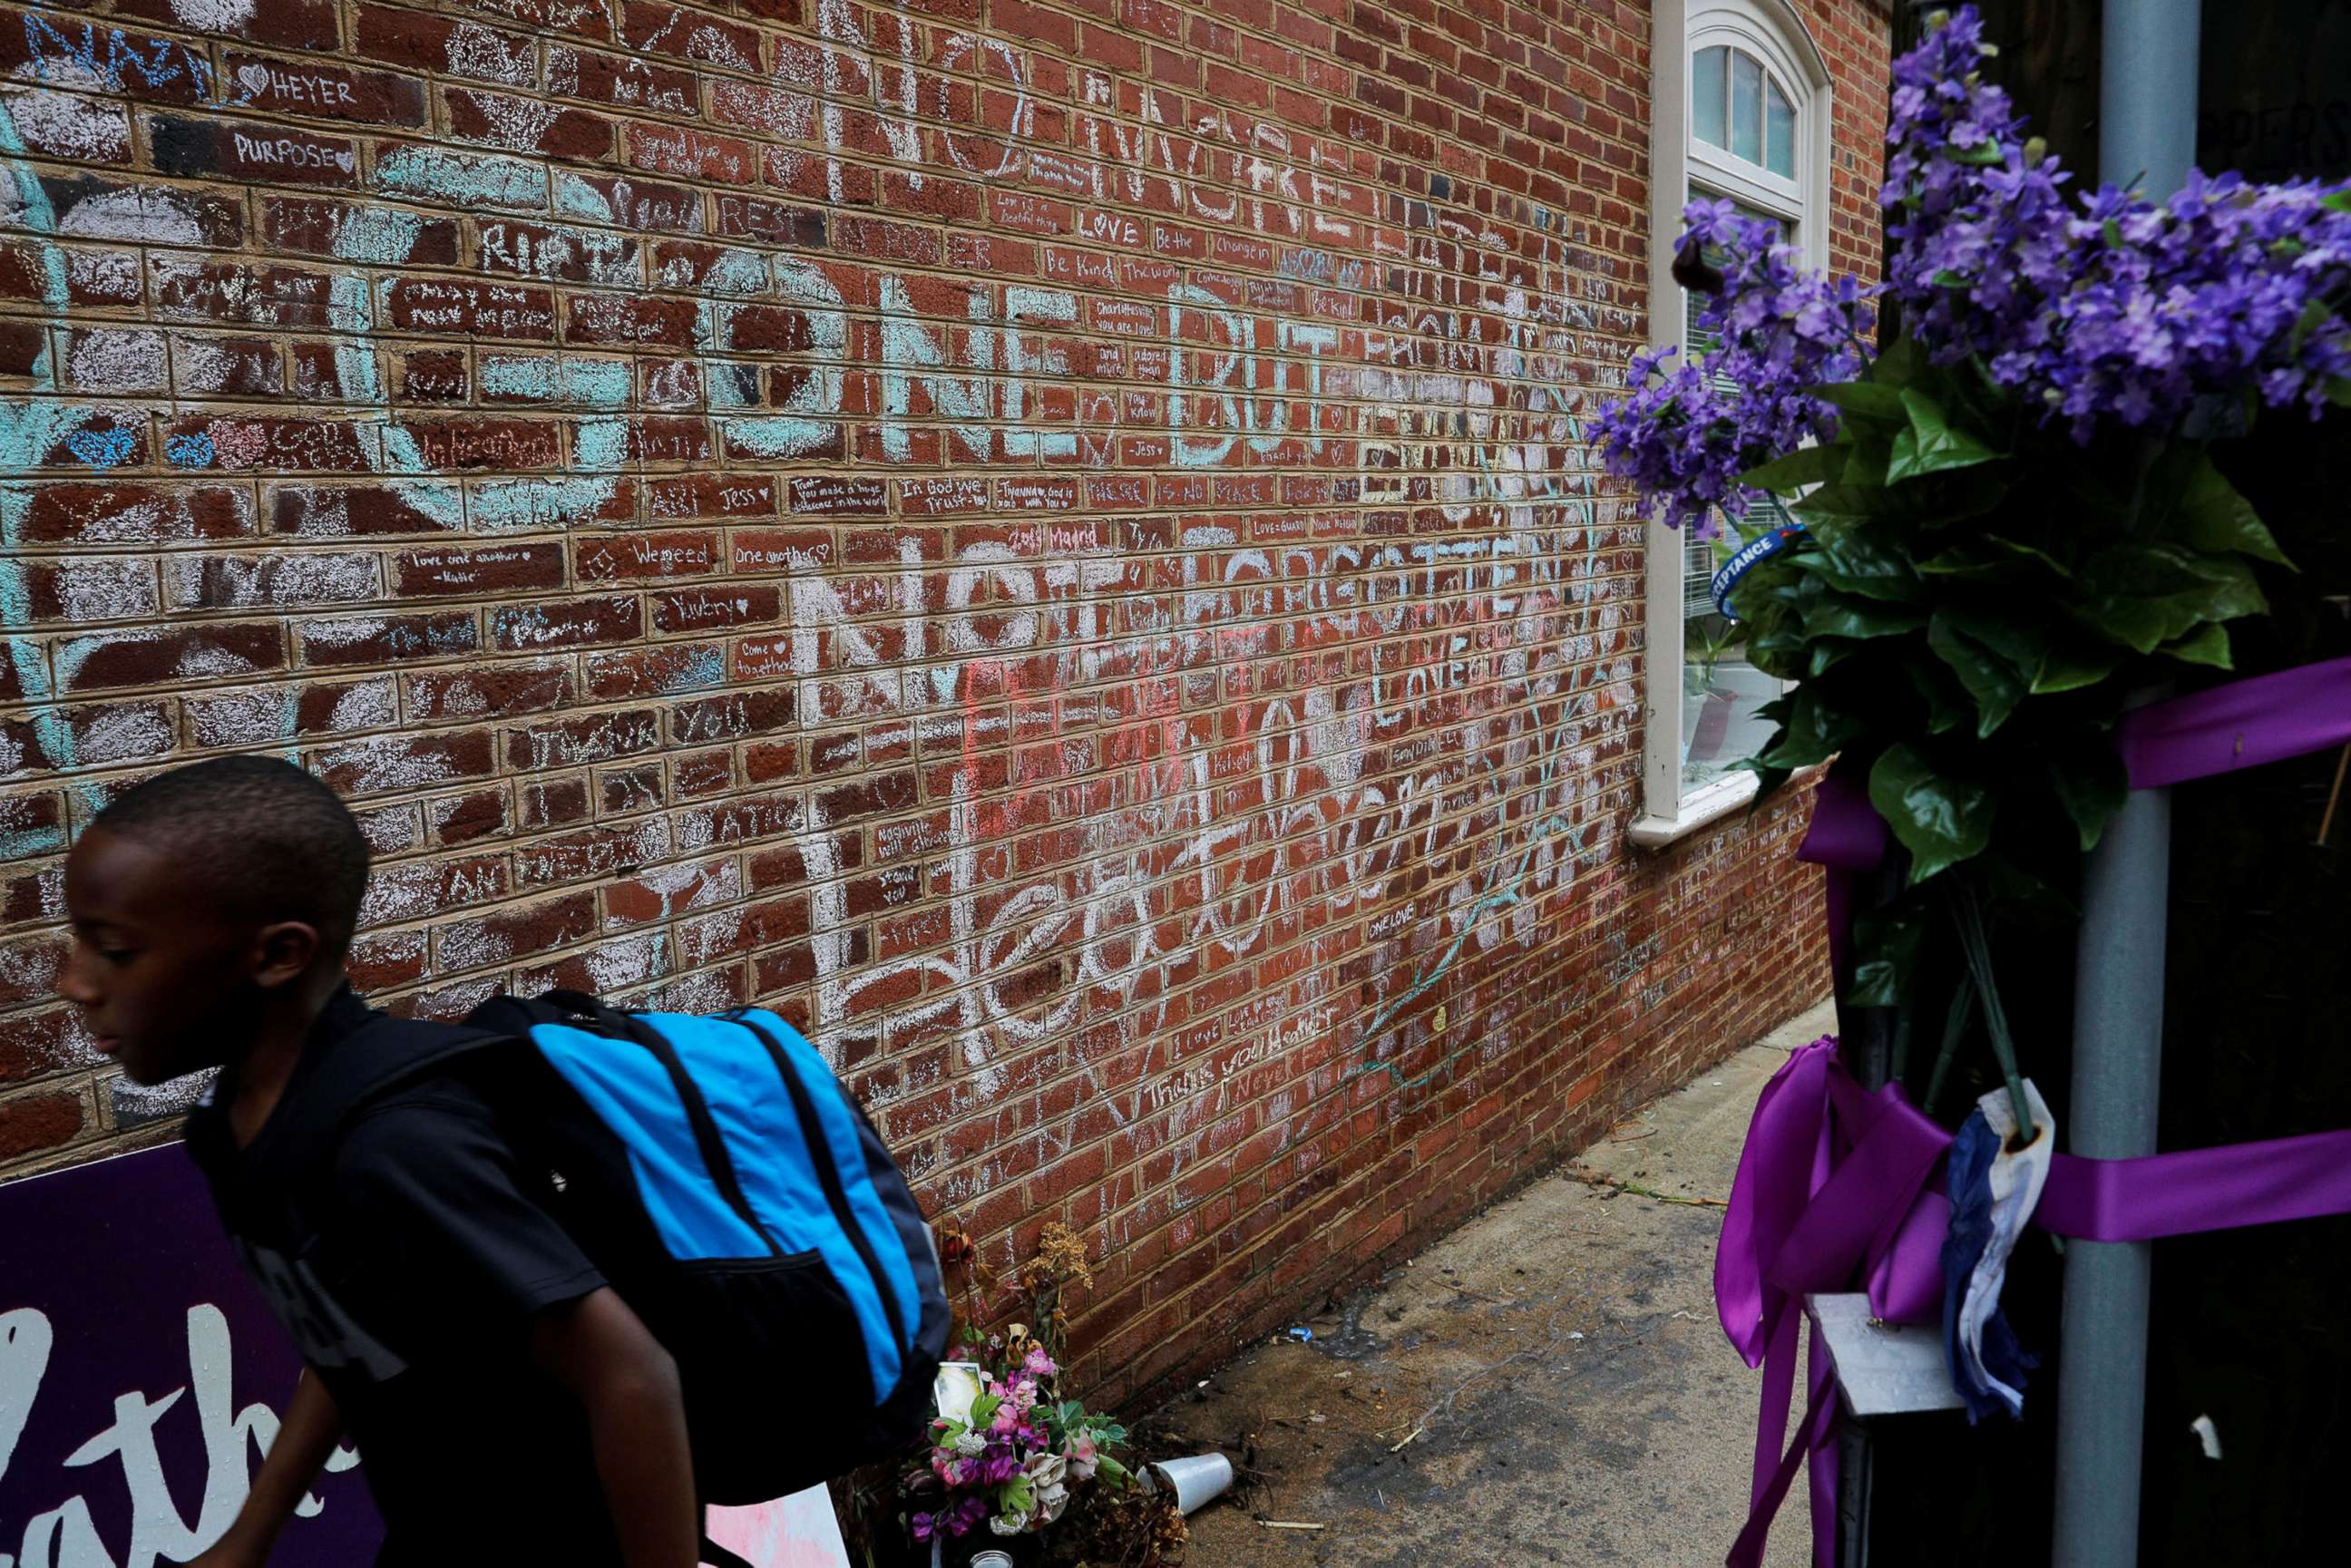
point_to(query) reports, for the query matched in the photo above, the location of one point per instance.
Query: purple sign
(142, 1375)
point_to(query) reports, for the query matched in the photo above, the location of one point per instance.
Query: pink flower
(1040, 1364)
(1083, 1455)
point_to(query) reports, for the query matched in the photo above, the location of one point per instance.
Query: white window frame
(1678, 164)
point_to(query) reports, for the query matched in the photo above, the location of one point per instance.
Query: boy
(509, 1406)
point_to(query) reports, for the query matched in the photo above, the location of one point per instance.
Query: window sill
(1701, 809)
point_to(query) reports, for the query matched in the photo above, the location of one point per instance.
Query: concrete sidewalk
(1545, 1385)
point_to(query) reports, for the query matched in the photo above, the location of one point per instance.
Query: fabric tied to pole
(1836, 1183)
(1833, 1183)
(1994, 1187)
(2196, 1190)
(1832, 1187)
(2266, 718)
(1848, 837)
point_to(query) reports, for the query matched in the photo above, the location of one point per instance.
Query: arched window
(1741, 110)
(1739, 107)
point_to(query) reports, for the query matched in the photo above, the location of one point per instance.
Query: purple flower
(1687, 432)
(2103, 310)
(2111, 308)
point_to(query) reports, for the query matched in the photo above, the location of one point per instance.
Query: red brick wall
(1052, 543)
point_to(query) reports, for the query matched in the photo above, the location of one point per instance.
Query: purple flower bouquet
(2019, 492)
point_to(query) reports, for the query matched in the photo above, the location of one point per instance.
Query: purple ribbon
(1828, 1189)
(2241, 724)
(1834, 1186)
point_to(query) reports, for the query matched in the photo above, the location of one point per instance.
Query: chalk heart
(239, 445)
(101, 449)
(347, 160)
(254, 79)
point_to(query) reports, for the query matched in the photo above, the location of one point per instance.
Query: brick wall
(1052, 543)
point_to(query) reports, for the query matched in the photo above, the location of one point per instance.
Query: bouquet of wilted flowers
(1007, 1454)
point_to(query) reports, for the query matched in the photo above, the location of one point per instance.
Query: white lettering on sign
(66, 1536)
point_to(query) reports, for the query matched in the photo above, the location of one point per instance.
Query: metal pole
(2146, 134)
(2118, 1049)
(2147, 93)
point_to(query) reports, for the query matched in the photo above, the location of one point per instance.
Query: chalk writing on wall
(1090, 594)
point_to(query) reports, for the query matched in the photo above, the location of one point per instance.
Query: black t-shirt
(410, 1283)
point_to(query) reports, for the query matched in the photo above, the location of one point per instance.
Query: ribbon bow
(1832, 1187)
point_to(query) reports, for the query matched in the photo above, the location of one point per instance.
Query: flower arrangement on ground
(1007, 1457)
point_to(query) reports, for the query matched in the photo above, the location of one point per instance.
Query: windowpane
(1778, 132)
(1710, 86)
(1747, 107)
(1720, 689)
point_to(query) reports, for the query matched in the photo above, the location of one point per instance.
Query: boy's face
(169, 983)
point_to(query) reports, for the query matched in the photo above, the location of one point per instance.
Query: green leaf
(2024, 644)
(2091, 782)
(2065, 671)
(1813, 731)
(1946, 710)
(1850, 561)
(2339, 201)
(1931, 444)
(1991, 556)
(2207, 646)
(1865, 468)
(1805, 465)
(1866, 400)
(1838, 615)
(1898, 362)
(1842, 503)
(2314, 315)
(2214, 518)
(2027, 552)
(1767, 779)
(1939, 819)
(2338, 391)
(1996, 685)
(1984, 154)
(1967, 560)
(1886, 943)
(2144, 595)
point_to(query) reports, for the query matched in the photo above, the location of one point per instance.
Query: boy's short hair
(266, 840)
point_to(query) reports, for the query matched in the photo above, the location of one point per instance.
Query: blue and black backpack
(736, 1196)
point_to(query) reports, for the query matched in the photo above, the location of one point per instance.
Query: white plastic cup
(1196, 1480)
(992, 1560)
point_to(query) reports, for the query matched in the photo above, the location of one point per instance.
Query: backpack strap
(364, 1064)
(577, 1009)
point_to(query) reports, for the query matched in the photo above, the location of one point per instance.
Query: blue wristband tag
(1727, 576)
